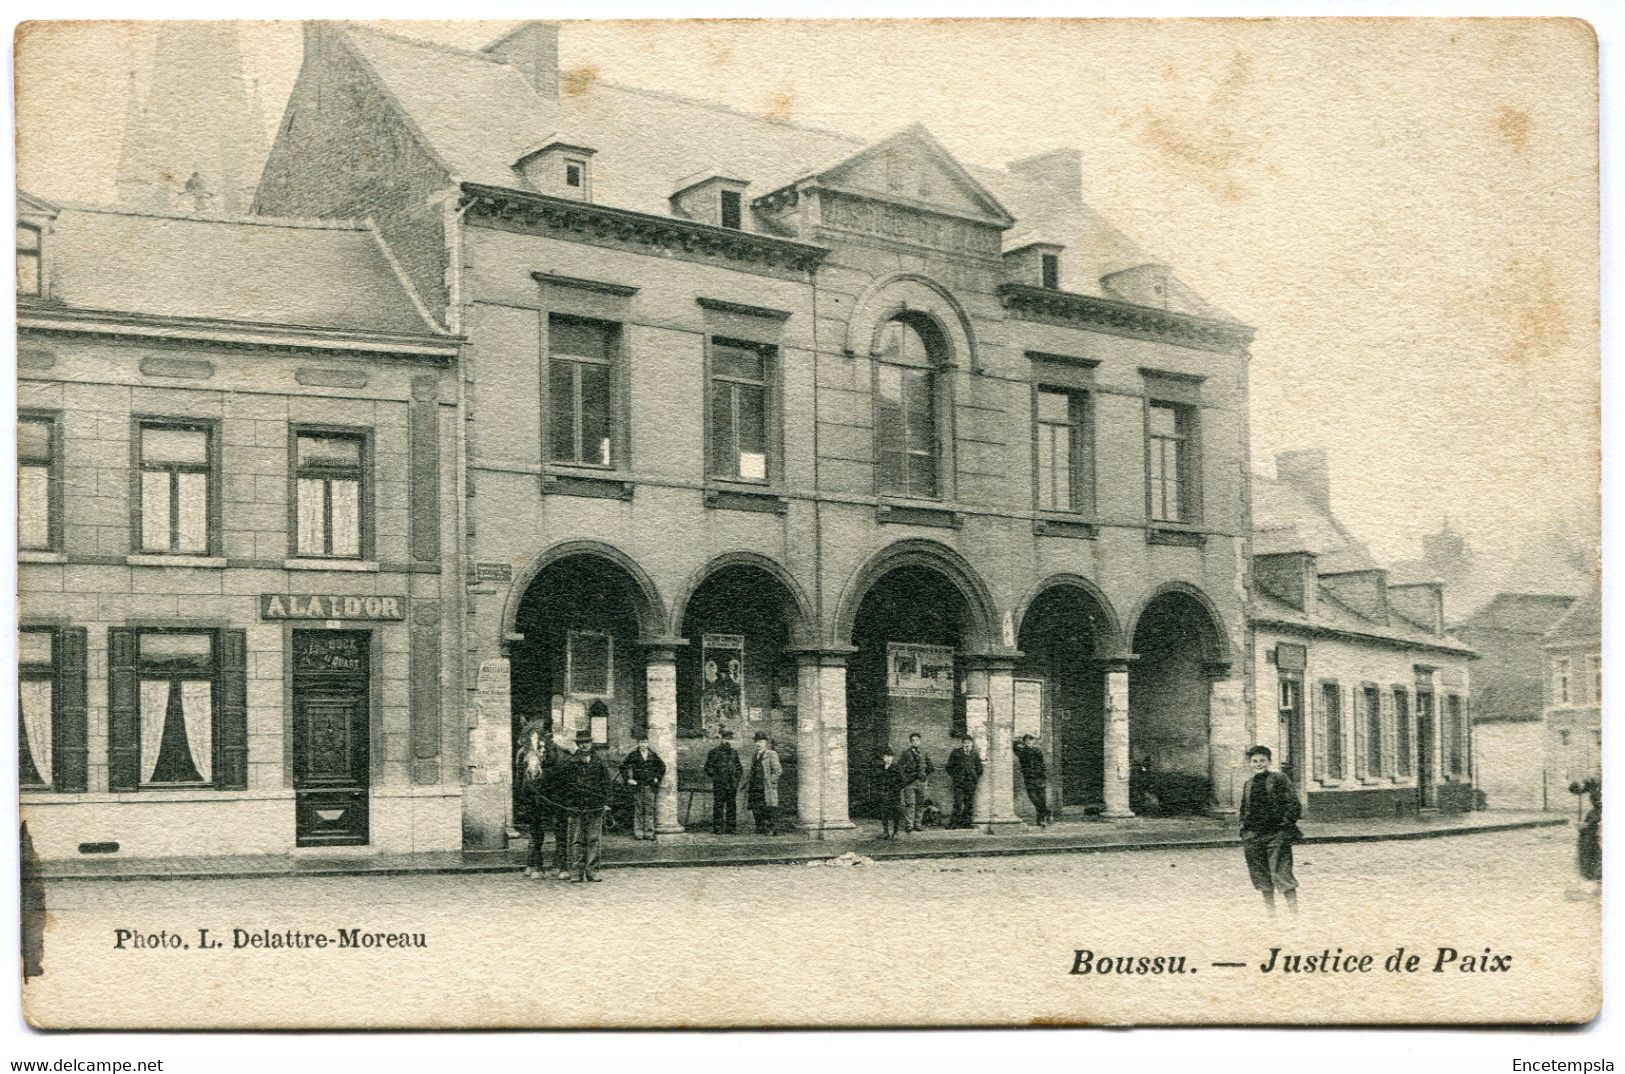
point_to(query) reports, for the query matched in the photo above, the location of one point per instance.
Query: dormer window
(1034, 263)
(732, 209)
(562, 169)
(575, 173)
(1051, 266)
(29, 277)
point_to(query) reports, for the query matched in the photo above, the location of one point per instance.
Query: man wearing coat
(964, 772)
(723, 769)
(914, 769)
(643, 770)
(1034, 777)
(1269, 826)
(585, 782)
(764, 786)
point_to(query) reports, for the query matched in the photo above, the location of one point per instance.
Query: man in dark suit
(889, 788)
(914, 768)
(1034, 777)
(642, 770)
(722, 767)
(964, 772)
(1269, 826)
(586, 783)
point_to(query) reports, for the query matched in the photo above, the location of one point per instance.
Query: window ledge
(39, 556)
(1065, 526)
(747, 498)
(149, 559)
(919, 514)
(1180, 536)
(310, 563)
(587, 484)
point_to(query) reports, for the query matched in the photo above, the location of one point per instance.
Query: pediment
(912, 168)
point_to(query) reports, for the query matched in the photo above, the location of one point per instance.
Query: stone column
(990, 716)
(488, 794)
(1116, 763)
(821, 743)
(809, 745)
(660, 676)
(1227, 730)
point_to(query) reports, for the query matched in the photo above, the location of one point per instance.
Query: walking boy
(1269, 826)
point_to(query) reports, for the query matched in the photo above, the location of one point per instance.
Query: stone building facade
(1571, 657)
(237, 632)
(774, 431)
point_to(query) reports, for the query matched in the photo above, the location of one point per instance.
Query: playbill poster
(1174, 390)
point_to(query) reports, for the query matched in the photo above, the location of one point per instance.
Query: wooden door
(331, 727)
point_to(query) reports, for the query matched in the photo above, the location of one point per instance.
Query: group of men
(726, 773)
(901, 783)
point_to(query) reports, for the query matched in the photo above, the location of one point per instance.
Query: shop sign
(330, 606)
(919, 670)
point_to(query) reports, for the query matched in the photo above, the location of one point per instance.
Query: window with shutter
(231, 726)
(70, 764)
(1389, 741)
(1362, 733)
(1402, 732)
(1317, 717)
(123, 712)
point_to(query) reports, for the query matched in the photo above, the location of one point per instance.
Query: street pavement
(952, 941)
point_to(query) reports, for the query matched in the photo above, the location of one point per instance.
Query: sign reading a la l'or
(330, 606)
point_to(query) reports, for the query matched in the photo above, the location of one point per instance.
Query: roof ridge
(310, 223)
(420, 42)
(730, 110)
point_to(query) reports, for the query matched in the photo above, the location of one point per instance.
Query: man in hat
(643, 770)
(722, 767)
(586, 784)
(964, 772)
(1034, 777)
(889, 788)
(764, 786)
(915, 768)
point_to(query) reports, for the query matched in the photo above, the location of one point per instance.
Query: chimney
(532, 49)
(1307, 472)
(1420, 602)
(1288, 577)
(1060, 169)
(1365, 591)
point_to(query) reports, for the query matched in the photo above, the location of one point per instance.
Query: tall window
(1373, 730)
(37, 475)
(732, 209)
(740, 400)
(1063, 445)
(36, 705)
(581, 390)
(1594, 678)
(176, 487)
(176, 679)
(1455, 730)
(1050, 267)
(1171, 431)
(1402, 731)
(906, 412)
(1331, 701)
(28, 260)
(1562, 686)
(330, 478)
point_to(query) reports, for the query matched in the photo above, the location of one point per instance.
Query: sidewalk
(1092, 835)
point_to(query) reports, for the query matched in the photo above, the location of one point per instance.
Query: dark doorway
(1292, 745)
(1169, 696)
(331, 729)
(1060, 639)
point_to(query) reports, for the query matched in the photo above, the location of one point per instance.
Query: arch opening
(1064, 632)
(1176, 641)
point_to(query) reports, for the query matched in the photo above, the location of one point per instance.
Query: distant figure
(916, 769)
(889, 788)
(586, 786)
(643, 771)
(1269, 826)
(1034, 777)
(722, 767)
(763, 791)
(964, 772)
(1589, 840)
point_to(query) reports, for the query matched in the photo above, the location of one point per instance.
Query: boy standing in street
(1269, 826)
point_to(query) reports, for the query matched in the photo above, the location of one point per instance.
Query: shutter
(68, 761)
(1361, 731)
(1390, 759)
(1467, 736)
(1317, 717)
(123, 712)
(231, 723)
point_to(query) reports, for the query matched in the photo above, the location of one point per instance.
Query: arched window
(907, 438)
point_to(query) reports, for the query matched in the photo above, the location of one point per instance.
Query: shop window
(177, 708)
(1063, 434)
(581, 390)
(1402, 731)
(590, 664)
(740, 409)
(906, 411)
(39, 478)
(177, 479)
(36, 705)
(1171, 437)
(331, 493)
(29, 248)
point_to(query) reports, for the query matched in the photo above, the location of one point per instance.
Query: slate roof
(477, 114)
(1332, 615)
(257, 270)
(1582, 622)
(1285, 520)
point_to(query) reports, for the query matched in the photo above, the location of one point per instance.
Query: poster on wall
(1029, 708)
(722, 691)
(919, 670)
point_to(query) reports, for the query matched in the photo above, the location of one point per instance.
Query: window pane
(722, 430)
(177, 652)
(337, 451)
(186, 447)
(595, 423)
(311, 508)
(892, 472)
(920, 411)
(155, 511)
(902, 342)
(561, 406)
(193, 512)
(346, 496)
(922, 475)
(728, 360)
(1163, 422)
(585, 339)
(730, 208)
(33, 441)
(27, 237)
(33, 507)
(35, 647)
(1046, 469)
(1063, 472)
(752, 418)
(1055, 407)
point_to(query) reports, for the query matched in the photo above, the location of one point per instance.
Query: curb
(508, 861)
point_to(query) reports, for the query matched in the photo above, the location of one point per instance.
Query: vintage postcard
(808, 523)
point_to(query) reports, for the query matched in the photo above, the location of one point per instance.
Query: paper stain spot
(578, 80)
(1514, 125)
(779, 107)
